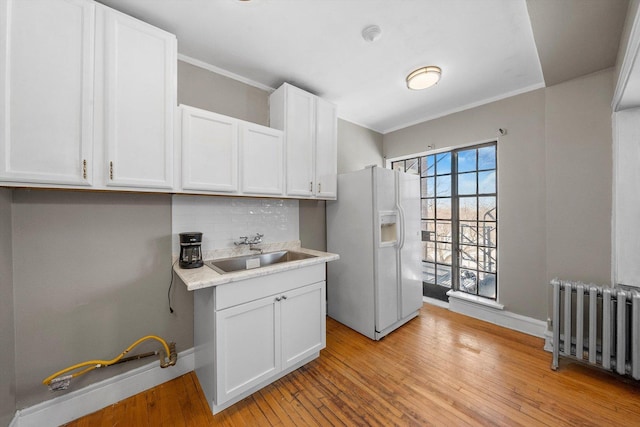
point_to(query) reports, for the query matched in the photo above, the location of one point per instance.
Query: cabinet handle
(111, 171)
(284, 297)
(84, 169)
(311, 186)
(319, 187)
(278, 299)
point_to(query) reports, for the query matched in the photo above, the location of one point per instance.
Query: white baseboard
(94, 397)
(436, 302)
(494, 313)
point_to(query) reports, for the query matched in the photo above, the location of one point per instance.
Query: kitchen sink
(248, 262)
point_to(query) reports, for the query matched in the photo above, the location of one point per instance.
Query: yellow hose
(93, 364)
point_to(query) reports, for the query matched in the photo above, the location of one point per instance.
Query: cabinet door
(140, 99)
(247, 347)
(46, 91)
(326, 150)
(209, 151)
(261, 155)
(303, 323)
(300, 132)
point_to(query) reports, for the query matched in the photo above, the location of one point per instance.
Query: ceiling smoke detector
(371, 33)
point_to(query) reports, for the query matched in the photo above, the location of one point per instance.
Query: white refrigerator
(376, 285)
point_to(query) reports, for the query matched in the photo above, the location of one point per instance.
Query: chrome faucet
(244, 240)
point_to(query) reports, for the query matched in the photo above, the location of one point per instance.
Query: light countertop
(204, 277)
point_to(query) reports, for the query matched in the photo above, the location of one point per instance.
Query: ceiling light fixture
(424, 77)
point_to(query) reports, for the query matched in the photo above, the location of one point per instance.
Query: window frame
(455, 221)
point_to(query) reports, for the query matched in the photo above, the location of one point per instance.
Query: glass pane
(443, 208)
(443, 186)
(411, 166)
(487, 208)
(487, 158)
(487, 182)
(467, 208)
(467, 160)
(430, 165)
(443, 276)
(429, 251)
(443, 163)
(487, 259)
(428, 209)
(468, 281)
(431, 187)
(469, 256)
(488, 235)
(428, 231)
(443, 253)
(487, 285)
(429, 272)
(443, 231)
(467, 183)
(423, 187)
(399, 165)
(468, 233)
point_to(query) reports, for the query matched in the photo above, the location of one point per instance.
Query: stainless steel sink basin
(248, 262)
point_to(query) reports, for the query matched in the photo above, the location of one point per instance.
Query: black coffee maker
(190, 250)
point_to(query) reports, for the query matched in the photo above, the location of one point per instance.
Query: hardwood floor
(440, 369)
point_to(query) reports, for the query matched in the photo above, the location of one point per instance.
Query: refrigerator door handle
(402, 229)
(400, 211)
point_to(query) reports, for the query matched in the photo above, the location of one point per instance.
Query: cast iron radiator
(597, 325)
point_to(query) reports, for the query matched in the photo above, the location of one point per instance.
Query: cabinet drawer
(240, 292)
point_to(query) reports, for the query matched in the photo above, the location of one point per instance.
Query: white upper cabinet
(309, 125)
(139, 89)
(326, 163)
(261, 159)
(210, 145)
(87, 97)
(46, 91)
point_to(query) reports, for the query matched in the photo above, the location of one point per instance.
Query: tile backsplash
(222, 220)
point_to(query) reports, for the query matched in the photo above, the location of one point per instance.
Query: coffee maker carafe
(190, 250)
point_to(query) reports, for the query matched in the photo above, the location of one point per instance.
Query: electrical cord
(170, 285)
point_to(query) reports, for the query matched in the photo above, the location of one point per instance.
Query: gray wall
(201, 88)
(357, 147)
(554, 180)
(579, 178)
(7, 337)
(91, 275)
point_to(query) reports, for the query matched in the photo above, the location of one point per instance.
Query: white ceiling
(486, 48)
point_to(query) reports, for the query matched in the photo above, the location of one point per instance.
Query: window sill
(475, 299)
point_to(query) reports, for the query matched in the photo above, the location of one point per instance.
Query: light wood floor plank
(440, 369)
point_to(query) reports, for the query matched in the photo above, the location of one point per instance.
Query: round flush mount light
(424, 77)
(371, 33)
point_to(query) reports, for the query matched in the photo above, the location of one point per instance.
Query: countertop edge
(205, 277)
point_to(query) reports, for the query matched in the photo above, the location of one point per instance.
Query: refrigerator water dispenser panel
(388, 228)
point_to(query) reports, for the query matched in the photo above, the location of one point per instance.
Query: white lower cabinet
(250, 333)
